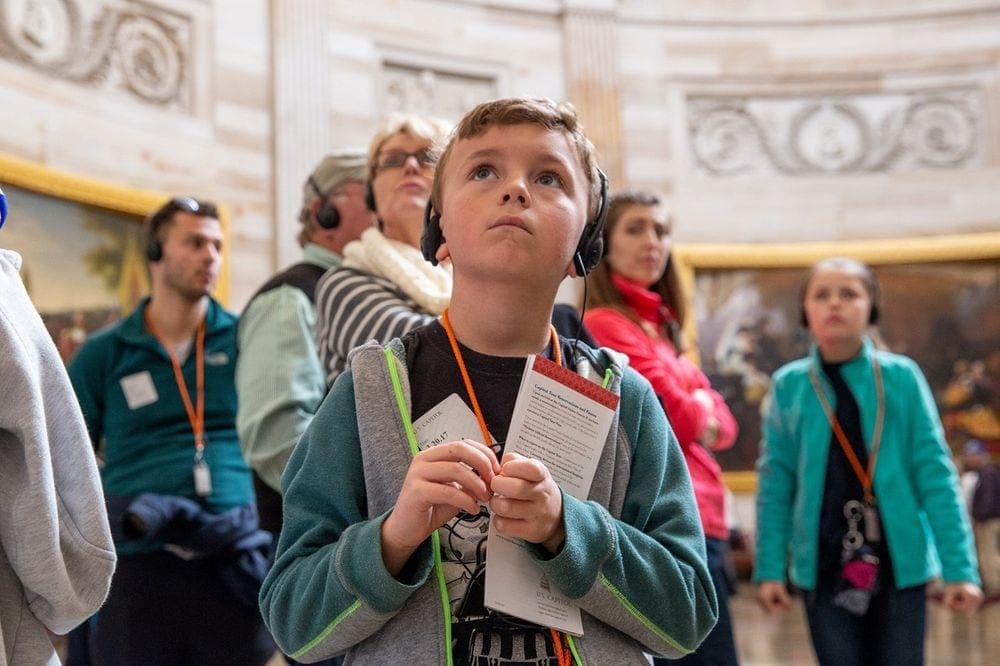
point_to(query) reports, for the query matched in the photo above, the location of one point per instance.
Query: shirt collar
(321, 256)
(646, 303)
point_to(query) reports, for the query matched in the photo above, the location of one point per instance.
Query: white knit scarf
(404, 266)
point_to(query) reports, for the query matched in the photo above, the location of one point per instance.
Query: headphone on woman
(588, 253)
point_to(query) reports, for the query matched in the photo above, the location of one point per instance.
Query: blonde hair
(556, 117)
(425, 128)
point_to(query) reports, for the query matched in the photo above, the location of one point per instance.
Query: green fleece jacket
(633, 558)
(924, 522)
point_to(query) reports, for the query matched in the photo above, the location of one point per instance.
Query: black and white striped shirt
(353, 307)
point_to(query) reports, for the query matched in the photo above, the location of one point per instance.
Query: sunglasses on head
(193, 206)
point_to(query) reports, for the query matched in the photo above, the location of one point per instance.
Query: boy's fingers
(476, 455)
(527, 469)
(449, 472)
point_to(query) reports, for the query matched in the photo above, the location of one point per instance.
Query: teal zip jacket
(924, 521)
(148, 444)
(633, 558)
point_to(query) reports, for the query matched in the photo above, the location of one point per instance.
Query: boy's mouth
(509, 221)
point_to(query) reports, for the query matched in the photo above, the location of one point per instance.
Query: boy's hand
(528, 503)
(773, 596)
(440, 482)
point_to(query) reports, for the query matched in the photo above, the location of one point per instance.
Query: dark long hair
(604, 294)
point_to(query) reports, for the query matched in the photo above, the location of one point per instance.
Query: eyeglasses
(395, 159)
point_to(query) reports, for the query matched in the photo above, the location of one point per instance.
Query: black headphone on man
(327, 216)
(165, 213)
(588, 253)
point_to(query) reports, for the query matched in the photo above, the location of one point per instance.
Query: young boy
(383, 546)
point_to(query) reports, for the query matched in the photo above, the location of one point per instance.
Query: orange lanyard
(446, 323)
(195, 417)
(865, 476)
(563, 655)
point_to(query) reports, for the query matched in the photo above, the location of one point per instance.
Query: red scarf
(647, 304)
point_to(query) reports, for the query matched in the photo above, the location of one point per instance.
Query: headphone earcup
(803, 319)
(432, 237)
(590, 249)
(154, 249)
(873, 315)
(328, 216)
(370, 196)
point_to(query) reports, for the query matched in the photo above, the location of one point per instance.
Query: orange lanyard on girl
(196, 416)
(866, 476)
(563, 655)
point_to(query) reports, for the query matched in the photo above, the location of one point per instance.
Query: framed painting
(939, 306)
(81, 248)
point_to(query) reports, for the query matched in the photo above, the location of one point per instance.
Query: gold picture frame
(774, 271)
(80, 241)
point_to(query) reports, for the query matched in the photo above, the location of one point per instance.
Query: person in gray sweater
(56, 554)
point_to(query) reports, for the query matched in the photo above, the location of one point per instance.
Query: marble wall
(775, 120)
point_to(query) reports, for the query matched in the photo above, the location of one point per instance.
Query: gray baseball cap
(337, 167)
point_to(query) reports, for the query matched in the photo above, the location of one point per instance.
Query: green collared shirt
(278, 376)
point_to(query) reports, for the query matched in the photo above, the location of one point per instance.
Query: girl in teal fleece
(858, 498)
(374, 526)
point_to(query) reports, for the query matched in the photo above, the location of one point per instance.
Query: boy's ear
(442, 252)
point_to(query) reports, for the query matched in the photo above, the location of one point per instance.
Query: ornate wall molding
(837, 134)
(105, 45)
(433, 85)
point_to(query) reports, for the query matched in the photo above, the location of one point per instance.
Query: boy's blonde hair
(557, 117)
(425, 128)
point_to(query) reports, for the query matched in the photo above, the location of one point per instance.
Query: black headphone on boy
(588, 253)
(327, 216)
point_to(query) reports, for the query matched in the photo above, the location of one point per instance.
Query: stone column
(302, 101)
(591, 65)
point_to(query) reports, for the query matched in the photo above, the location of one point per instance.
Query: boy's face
(514, 202)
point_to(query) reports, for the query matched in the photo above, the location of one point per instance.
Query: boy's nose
(515, 189)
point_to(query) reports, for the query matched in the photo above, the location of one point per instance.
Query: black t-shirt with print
(479, 635)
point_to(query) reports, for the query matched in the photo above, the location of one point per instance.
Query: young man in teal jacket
(383, 544)
(159, 401)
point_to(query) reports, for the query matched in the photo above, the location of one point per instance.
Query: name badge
(139, 389)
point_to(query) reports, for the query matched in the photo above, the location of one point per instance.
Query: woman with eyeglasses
(637, 309)
(384, 287)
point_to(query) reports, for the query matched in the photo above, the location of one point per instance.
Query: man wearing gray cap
(279, 379)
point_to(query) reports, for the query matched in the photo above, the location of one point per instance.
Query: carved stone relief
(102, 44)
(836, 134)
(433, 91)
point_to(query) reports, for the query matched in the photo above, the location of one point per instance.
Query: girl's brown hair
(604, 294)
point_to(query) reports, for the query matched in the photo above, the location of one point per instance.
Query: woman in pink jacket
(637, 309)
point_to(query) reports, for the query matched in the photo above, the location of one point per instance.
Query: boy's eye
(549, 179)
(482, 172)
